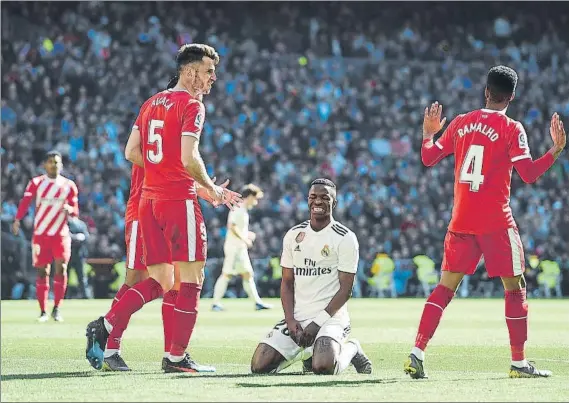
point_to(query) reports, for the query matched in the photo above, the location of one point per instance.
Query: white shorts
(236, 261)
(279, 339)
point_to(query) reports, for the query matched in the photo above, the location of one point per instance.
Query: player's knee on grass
(514, 283)
(265, 359)
(163, 273)
(325, 354)
(133, 277)
(60, 267)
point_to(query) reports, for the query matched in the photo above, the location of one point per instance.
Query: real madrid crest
(325, 251)
(300, 237)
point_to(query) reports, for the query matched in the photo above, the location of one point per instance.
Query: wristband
(321, 318)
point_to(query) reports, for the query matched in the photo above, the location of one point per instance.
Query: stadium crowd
(304, 90)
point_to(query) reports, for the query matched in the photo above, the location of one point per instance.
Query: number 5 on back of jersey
(154, 137)
(471, 171)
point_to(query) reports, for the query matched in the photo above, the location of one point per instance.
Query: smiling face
(321, 201)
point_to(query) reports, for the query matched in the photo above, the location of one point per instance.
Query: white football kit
(316, 258)
(236, 256)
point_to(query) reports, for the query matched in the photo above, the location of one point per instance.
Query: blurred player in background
(319, 261)
(55, 200)
(487, 144)
(164, 141)
(236, 260)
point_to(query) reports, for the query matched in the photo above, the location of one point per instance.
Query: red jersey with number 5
(163, 119)
(485, 143)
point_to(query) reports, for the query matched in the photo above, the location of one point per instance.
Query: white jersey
(239, 217)
(316, 258)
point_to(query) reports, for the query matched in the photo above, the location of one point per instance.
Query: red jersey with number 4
(485, 143)
(163, 119)
(136, 179)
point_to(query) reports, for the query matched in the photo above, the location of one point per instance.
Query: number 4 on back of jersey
(471, 171)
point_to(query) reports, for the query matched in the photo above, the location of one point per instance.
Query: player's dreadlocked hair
(501, 83)
(191, 53)
(252, 189)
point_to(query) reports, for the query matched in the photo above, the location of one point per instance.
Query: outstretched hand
(557, 132)
(432, 123)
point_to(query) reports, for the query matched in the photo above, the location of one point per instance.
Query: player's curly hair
(501, 83)
(191, 53)
(323, 181)
(252, 189)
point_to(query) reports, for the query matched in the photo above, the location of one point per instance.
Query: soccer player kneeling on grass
(319, 260)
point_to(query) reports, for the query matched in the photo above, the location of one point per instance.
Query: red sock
(59, 287)
(517, 321)
(120, 293)
(432, 313)
(42, 291)
(185, 315)
(168, 304)
(132, 300)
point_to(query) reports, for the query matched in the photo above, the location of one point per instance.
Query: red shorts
(173, 231)
(134, 250)
(45, 249)
(503, 253)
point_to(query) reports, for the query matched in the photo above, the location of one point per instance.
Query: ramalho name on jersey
(486, 144)
(162, 121)
(317, 257)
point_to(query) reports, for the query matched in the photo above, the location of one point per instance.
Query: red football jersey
(163, 120)
(136, 179)
(486, 143)
(50, 196)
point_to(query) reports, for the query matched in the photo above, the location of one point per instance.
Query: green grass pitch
(468, 359)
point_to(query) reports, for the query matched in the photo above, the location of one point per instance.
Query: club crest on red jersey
(300, 237)
(199, 121)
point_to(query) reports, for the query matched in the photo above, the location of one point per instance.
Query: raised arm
(528, 169)
(433, 152)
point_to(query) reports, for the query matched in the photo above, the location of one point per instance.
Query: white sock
(175, 358)
(108, 326)
(302, 355)
(166, 354)
(219, 289)
(110, 351)
(417, 352)
(520, 364)
(349, 350)
(251, 289)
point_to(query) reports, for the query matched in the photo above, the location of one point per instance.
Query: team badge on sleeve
(199, 120)
(325, 251)
(300, 237)
(522, 140)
